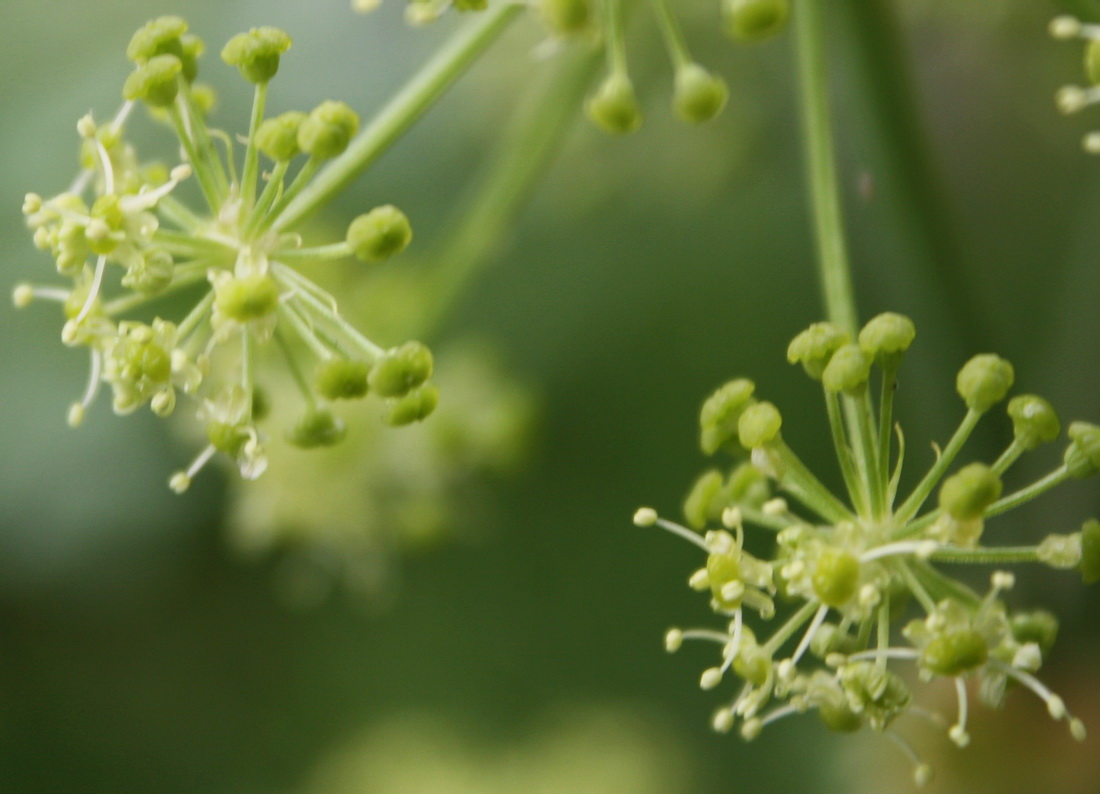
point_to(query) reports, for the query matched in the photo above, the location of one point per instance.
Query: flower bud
(754, 20)
(256, 53)
(847, 371)
(341, 379)
(317, 428)
(247, 298)
(838, 717)
(380, 234)
(565, 17)
(721, 412)
(149, 272)
(1090, 551)
(1039, 627)
(1082, 456)
(614, 108)
(954, 651)
(984, 381)
(227, 437)
(836, 577)
(967, 493)
(758, 425)
(418, 404)
(698, 95)
(400, 370)
(277, 137)
(328, 129)
(191, 48)
(705, 502)
(154, 82)
(815, 346)
(1034, 420)
(160, 36)
(887, 336)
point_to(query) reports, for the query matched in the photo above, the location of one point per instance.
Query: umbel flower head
(857, 585)
(698, 95)
(121, 237)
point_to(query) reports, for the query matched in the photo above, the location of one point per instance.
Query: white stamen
(807, 638)
(683, 532)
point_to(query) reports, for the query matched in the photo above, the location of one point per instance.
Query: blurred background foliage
(515, 643)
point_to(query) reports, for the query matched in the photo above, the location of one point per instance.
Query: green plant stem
(793, 624)
(1026, 494)
(673, 36)
(911, 505)
(526, 150)
(984, 556)
(801, 483)
(844, 453)
(396, 117)
(833, 265)
(251, 153)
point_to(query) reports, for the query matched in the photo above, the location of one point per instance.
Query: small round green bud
(154, 82)
(955, 652)
(1090, 551)
(614, 108)
(191, 49)
(418, 404)
(984, 381)
(341, 379)
(758, 425)
(149, 272)
(1034, 421)
(1039, 627)
(967, 493)
(754, 20)
(721, 412)
(160, 36)
(256, 53)
(400, 370)
(887, 336)
(698, 95)
(836, 577)
(328, 129)
(317, 428)
(815, 346)
(724, 569)
(227, 437)
(754, 665)
(205, 97)
(838, 717)
(1082, 456)
(705, 501)
(247, 298)
(565, 17)
(380, 234)
(748, 485)
(277, 137)
(847, 370)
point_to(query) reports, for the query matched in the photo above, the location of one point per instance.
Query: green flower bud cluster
(122, 236)
(847, 568)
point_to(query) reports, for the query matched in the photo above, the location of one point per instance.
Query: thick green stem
(1024, 495)
(793, 624)
(844, 453)
(834, 269)
(396, 117)
(673, 36)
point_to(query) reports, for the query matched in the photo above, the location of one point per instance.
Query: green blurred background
(140, 653)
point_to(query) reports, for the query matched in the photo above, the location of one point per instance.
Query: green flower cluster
(855, 568)
(698, 94)
(124, 239)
